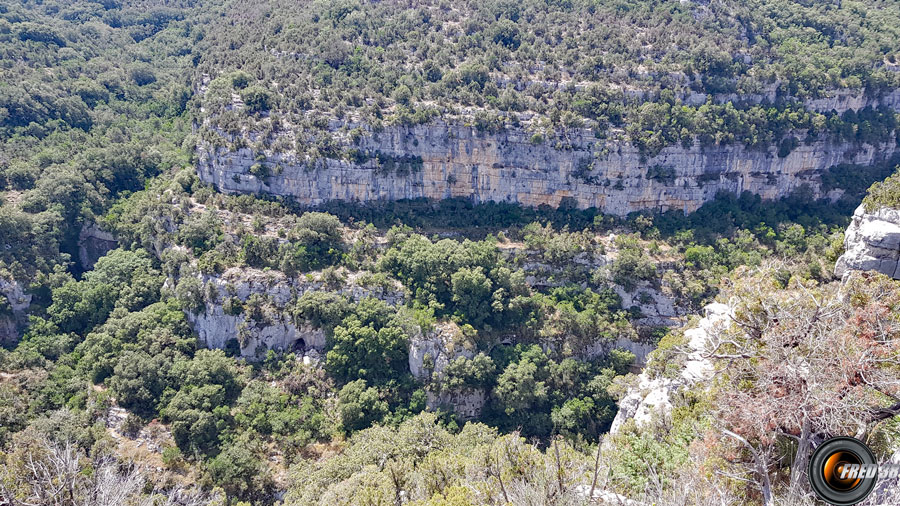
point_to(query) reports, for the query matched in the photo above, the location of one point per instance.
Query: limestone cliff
(429, 354)
(871, 243)
(222, 319)
(453, 160)
(652, 393)
(14, 303)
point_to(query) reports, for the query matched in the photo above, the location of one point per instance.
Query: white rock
(441, 345)
(871, 243)
(277, 331)
(652, 396)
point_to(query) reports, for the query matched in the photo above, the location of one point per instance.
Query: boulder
(871, 243)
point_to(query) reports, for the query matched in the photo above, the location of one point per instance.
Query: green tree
(368, 344)
(360, 405)
(240, 471)
(256, 98)
(139, 381)
(471, 291)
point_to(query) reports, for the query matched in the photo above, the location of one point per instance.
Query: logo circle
(839, 471)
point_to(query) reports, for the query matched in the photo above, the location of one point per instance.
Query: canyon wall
(14, 304)
(871, 243)
(276, 329)
(460, 161)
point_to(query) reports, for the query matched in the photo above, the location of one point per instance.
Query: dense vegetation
(654, 73)
(102, 104)
(120, 334)
(93, 102)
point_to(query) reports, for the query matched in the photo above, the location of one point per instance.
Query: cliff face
(652, 394)
(429, 355)
(273, 328)
(460, 161)
(871, 243)
(276, 329)
(14, 303)
(93, 243)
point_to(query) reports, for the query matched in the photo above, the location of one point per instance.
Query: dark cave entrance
(299, 347)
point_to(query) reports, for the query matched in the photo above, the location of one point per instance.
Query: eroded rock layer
(652, 394)
(459, 161)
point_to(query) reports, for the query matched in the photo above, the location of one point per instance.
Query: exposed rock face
(658, 308)
(466, 403)
(602, 349)
(846, 99)
(652, 395)
(93, 243)
(14, 303)
(871, 243)
(216, 329)
(460, 161)
(429, 355)
(276, 330)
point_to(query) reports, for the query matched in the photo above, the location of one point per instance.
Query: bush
(884, 194)
(142, 75)
(360, 406)
(256, 98)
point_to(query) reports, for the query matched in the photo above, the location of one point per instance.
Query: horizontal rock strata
(460, 161)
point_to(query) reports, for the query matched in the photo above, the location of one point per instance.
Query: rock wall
(657, 308)
(840, 100)
(277, 331)
(871, 243)
(465, 403)
(843, 100)
(651, 395)
(93, 243)
(429, 354)
(460, 161)
(216, 327)
(14, 304)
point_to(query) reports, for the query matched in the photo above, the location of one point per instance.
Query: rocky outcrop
(93, 243)
(871, 243)
(429, 354)
(466, 403)
(216, 329)
(222, 323)
(602, 349)
(844, 100)
(14, 304)
(657, 308)
(452, 160)
(651, 395)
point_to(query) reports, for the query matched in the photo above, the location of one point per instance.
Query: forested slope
(248, 348)
(621, 106)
